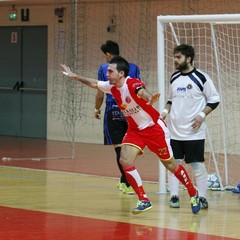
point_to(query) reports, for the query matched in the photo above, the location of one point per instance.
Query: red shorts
(156, 138)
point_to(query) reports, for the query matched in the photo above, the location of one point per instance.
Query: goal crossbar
(216, 18)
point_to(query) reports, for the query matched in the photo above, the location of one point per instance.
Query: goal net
(86, 25)
(216, 40)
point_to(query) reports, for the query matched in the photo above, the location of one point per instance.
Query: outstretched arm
(91, 82)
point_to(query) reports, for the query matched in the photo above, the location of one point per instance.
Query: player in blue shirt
(115, 125)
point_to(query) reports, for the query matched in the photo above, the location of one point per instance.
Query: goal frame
(162, 20)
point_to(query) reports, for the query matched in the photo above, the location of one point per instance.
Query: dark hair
(122, 64)
(186, 50)
(110, 47)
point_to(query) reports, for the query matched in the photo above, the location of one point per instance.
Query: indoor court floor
(45, 196)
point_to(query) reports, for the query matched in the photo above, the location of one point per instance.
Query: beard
(181, 67)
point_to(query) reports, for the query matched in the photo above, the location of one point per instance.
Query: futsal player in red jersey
(145, 128)
(114, 123)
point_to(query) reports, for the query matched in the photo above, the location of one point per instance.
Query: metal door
(23, 81)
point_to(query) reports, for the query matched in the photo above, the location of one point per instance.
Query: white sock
(173, 182)
(200, 174)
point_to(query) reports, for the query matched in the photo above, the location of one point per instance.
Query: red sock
(181, 174)
(135, 181)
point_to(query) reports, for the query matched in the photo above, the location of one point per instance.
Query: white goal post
(216, 39)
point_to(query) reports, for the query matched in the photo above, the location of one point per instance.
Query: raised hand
(67, 71)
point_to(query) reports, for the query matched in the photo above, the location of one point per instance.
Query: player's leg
(159, 143)
(128, 156)
(115, 127)
(182, 175)
(178, 152)
(108, 135)
(119, 130)
(195, 156)
(200, 174)
(173, 184)
(121, 184)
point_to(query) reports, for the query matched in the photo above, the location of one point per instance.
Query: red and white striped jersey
(138, 113)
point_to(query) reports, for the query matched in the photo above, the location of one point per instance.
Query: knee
(199, 169)
(170, 164)
(128, 155)
(179, 161)
(124, 161)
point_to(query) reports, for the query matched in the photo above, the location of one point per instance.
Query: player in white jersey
(145, 128)
(192, 96)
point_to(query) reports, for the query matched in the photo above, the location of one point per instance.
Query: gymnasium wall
(83, 30)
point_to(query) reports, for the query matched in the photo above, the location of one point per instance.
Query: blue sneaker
(195, 204)
(142, 206)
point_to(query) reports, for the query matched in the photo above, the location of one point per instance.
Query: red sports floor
(25, 224)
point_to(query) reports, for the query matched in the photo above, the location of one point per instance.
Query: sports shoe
(195, 204)
(121, 186)
(142, 206)
(128, 190)
(203, 203)
(174, 202)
